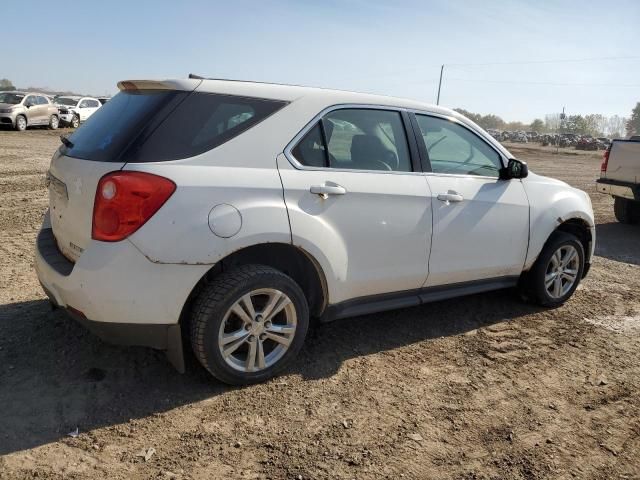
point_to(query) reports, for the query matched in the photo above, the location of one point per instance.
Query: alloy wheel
(562, 271)
(257, 330)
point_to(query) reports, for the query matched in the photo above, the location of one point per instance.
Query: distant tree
(537, 125)
(633, 124)
(552, 122)
(5, 84)
(616, 126)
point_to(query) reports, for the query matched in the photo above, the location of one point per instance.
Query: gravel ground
(483, 387)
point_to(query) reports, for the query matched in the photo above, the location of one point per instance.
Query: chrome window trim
(288, 150)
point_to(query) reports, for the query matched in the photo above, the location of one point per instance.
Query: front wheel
(557, 271)
(249, 324)
(53, 122)
(21, 123)
(75, 121)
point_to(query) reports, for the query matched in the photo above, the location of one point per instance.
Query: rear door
(354, 193)
(480, 222)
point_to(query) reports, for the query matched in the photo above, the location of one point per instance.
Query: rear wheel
(75, 121)
(53, 122)
(21, 123)
(626, 211)
(248, 324)
(557, 271)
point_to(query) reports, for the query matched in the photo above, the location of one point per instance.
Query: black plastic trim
(422, 148)
(412, 298)
(48, 248)
(158, 336)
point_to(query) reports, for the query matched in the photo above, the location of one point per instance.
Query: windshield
(11, 98)
(66, 101)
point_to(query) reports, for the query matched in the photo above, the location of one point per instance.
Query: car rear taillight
(605, 160)
(125, 201)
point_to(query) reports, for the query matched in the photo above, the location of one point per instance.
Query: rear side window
(155, 126)
(356, 139)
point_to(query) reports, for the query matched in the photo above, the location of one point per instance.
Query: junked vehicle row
(20, 110)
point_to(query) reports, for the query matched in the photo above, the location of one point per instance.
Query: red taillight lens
(125, 201)
(605, 160)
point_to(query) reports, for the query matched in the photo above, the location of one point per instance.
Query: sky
(581, 55)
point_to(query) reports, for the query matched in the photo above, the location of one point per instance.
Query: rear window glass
(155, 126)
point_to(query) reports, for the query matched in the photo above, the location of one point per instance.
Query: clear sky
(387, 47)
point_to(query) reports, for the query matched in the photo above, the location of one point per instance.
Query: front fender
(553, 204)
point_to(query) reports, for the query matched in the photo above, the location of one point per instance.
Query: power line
(532, 62)
(519, 82)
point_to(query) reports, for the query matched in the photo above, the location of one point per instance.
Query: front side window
(30, 101)
(93, 103)
(43, 101)
(454, 149)
(356, 139)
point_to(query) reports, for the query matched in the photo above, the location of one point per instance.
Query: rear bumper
(116, 292)
(617, 188)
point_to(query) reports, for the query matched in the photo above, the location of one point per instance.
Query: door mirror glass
(515, 169)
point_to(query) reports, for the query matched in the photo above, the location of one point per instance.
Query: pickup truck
(620, 178)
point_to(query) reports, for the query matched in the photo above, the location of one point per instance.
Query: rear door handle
(325, 190)
(450, 196)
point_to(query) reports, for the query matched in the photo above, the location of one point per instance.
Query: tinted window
(358, 139)
(93, 103)
(367, 139)
(453, 148)
(158, 125)
(42, 101)
(29, 101)
(84, 104)
(310, 150)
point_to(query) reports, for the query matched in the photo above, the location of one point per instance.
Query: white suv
(236, 211)
(74, 110)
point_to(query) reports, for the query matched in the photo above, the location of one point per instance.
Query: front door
(354, 200)
(480, 223)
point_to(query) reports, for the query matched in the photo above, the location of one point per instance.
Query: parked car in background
(620, 178)
(519, 137)
(75, 110)
(27, 109)
(297, 202)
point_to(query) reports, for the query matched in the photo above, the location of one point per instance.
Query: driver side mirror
(514, 169)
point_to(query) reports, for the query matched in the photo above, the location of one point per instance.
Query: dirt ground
(483, 387)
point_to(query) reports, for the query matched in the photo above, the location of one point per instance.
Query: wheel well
(294, 262)
(580, 229)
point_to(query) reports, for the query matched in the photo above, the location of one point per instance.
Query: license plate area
(57, 186)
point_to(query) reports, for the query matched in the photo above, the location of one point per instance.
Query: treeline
(595, 124)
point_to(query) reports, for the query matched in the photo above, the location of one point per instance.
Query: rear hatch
(102, 145)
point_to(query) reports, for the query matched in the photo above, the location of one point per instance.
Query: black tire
(75, 121)
(626, 211)
(21, 123)
(532, 284)
(54, 122)
(218, 296)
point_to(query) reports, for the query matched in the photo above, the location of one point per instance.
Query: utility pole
(440, 85)
(562, 117)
